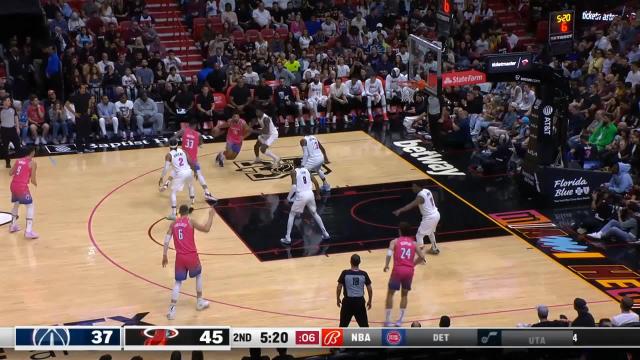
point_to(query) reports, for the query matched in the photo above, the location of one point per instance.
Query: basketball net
(409, 88)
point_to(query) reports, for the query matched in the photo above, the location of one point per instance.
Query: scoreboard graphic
(223, 338)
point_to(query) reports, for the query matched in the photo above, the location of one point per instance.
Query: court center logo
(5, 218)
(265, 170)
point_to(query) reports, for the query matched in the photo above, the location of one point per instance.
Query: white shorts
(267, 139)
(319, 100)
(181, 179)
(427, 227)
(313, 164)
(302, 200)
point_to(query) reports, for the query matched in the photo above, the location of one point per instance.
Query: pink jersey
(183, 237)
(190, 143)
(404, 253)
(22, 176)
(235, 132)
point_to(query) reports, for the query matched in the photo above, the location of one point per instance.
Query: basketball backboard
(425, 63)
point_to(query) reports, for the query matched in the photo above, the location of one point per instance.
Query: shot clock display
(561, 31)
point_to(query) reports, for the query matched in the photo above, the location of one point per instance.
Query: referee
(352, 304)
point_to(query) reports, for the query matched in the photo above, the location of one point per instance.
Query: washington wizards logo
(265, 170)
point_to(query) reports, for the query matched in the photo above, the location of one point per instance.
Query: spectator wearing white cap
(626, 316)
(374, 34)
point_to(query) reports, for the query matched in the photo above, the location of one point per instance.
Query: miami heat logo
(160, 336)
(5, 218)
(264, 171)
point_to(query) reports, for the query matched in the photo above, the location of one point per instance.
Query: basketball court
(100, 219)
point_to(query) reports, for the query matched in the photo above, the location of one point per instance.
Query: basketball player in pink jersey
(405, 258)
(191, 141)
(237, 131)
(23, 172)
(187, 261)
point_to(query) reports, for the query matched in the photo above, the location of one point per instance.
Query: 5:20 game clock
(177, 338)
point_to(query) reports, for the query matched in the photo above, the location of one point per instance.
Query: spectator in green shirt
(292, 64)
(604, 133)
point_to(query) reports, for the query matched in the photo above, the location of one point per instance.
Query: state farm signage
(461, 78)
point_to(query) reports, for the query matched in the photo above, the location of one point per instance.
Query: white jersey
(393, 83)
(303, 182)
(315, 90)
(354, 88)
(428, 207)
(266, 121)
(179, 161)
(312, 150)
(373, 87)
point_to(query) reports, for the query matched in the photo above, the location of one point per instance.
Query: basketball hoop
(409, 88)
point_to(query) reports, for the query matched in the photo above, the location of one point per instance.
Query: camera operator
(624, 227)
(460, 133)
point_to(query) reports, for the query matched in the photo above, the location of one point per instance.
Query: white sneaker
(325, 236)
(346, 119)
(37, 141)
(333, 120)
(43, 141)
(171, 315)
(257, 161)
(171, 217)
(285, 241)
(202, 304)
(595, 235)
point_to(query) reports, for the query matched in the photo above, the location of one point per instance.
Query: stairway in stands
(174, 35)
(510, 19)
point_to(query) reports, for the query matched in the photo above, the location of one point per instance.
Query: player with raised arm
(187, 260)
(302, 184)
(405, 258)
(313, 157)
(181, 174)
(268, 135)
(430, 217)
(237, 131)
(23, 173)
(191, 141)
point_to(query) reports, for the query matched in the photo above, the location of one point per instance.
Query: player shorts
(267, 139)
(302, 200)
(181, 179)
(427, 227)
(401, 278)
(313, 164)
(234, 147)
(21, 194)
(187, 265)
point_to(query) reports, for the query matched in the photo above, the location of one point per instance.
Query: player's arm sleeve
(341, 277)
(367, 280)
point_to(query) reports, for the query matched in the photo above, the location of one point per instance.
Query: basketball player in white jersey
(393, 89)
(181, 174)
(316, 97)
(268, 135)
(430, 217)
(302, 184)
(375, 95)
(313, 157)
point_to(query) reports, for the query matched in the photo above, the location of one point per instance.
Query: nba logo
(393, 337)
(332, 337)
(51, 337)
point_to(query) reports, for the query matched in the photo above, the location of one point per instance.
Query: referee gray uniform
(353, 282)
(9, 128)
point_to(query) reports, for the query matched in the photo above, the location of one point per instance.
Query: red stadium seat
(251, 35)
(268, 34)
(238, 37)
(272, 83)
(216, 24)
(124, 25)
(198, 27)
(283, 33)
(219, 101)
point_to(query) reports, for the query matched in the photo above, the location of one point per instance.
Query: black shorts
(353, 307)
